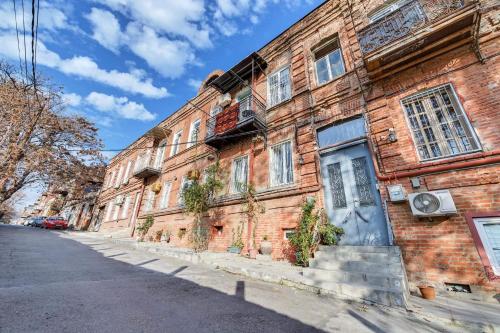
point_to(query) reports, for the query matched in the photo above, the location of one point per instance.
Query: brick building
(355, 100)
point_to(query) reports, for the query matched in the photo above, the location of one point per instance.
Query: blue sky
(127, 64)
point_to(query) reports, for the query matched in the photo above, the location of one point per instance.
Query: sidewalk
(470, 315)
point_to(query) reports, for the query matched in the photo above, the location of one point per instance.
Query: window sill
(444, 159)
(275, 106)
(319, 86)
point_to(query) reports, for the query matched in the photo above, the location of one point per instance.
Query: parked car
(36, 221)
(55, 222)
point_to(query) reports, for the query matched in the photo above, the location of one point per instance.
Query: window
(489, 231)
(116, 211)
(127, 172)
(239, 174)
(175, 143)
(109, 208)
(119, 177)
(329, 63)
(110, 180)
(148, 205)
(212, 120)
(194, 130)
(281, 164)
(185, 183)
(278, 86)
(386, 10)
(438, 124)
(165, 195)
(287, 233)
(160, 153)
(126, 206)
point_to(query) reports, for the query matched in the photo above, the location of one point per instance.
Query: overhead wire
(17, 36)
(25, 51)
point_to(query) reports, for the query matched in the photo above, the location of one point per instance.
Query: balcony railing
(405, 20)
(247, 115)
(146, 168)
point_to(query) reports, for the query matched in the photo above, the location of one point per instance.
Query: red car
(55, 222)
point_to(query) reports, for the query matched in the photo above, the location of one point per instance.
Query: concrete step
(376, 268)
(360, 249)
(386, 296)
(356, 278)
(358, 256)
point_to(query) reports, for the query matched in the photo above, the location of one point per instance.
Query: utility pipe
(458, 165)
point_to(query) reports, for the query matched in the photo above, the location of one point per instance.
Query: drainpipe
(453, 166)
(143, 187)
(251, 251)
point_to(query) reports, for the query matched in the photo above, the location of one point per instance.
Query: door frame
(347, 144)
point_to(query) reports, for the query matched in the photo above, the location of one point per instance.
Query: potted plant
(428, 292)
(165, 237)
(237, 242)
(266, 247)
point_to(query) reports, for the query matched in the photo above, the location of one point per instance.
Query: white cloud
(52, 18)
(106, 28)
(120, 106)
(84, 67)
(182, 18)
(195, 84)
(167, 57)
(72, 99)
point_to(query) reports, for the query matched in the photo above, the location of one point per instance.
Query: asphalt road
(50, 282)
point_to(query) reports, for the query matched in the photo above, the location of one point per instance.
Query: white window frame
(109, 209)
(165, 194)
(150, 198)
(160, 154)
(126, 206)
(175, 143)
(127, 172)
(440, 138)
(116, 212)
(111, 179)
(271, 163)
(479, 223)
(180, 199)
(192, 138)
(329, 66)
(118, 179)
(288, 88)
(234, 188)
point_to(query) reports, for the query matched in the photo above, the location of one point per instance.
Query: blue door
(351, 196)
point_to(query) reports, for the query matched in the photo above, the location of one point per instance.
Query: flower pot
(427, 292)
(266, 248)
(234, 249)
(252, 254)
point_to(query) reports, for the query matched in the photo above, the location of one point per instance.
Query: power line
(36, 29)
(17, 36)
(33, 41)
(24, 37)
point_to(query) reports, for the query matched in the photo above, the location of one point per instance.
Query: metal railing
(406, 19)
(248, 108)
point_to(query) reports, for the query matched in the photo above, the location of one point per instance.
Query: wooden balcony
(247, 117)
(415, 30)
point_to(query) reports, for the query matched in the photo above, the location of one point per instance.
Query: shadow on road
(54, 284)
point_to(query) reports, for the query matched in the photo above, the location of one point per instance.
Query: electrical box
(396, 193)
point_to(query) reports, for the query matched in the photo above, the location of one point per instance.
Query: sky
(128, 64)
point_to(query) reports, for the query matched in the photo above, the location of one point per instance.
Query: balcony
(244, 118)
(145, 168)
(416, 29)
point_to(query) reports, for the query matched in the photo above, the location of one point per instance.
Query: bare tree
(40, 142)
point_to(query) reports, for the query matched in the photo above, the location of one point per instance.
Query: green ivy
(313, 229)
(143, 228)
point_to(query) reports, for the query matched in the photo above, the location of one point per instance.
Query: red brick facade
(442, 250)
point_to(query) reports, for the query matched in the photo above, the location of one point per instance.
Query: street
(51, 283)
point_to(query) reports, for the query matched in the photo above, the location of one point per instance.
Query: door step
(369, 273)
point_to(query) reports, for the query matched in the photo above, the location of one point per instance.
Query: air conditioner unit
(119, 200)
(433, 203)
(225, 100)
